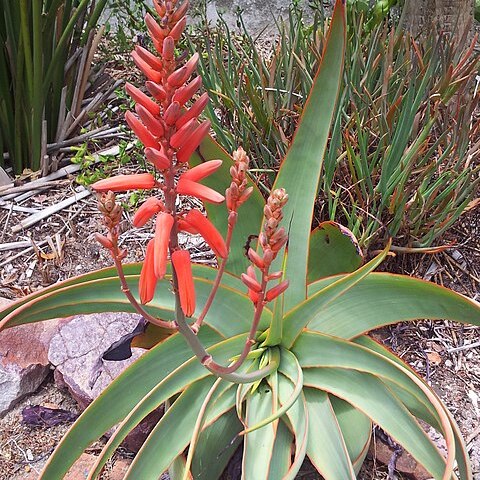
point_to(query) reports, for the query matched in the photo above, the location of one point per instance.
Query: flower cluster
(166, 122)
(271, 240)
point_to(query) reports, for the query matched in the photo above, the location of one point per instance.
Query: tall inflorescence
(166, 122)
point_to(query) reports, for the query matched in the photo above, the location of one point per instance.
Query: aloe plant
(311, 381)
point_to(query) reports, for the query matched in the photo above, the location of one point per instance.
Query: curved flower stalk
(167, 124)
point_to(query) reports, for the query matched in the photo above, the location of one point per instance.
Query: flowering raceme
(166, 122)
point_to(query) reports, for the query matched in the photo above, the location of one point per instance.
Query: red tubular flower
(148, 71)
(168, 48)
(184, 94)
(120, 183)
(151, 123)
(142, 99)
(184, 154)
(194, 111)
(181, 75)
(201, 171)
(149, 208)
(183, 135)
(157, 91)
(157, 158)
(207, 230)
(148, 280)
(141, 131)
(186, 227)
(255, 258)
(152, 60)
(177, 30)
(162, 236)
(154, 28)
(172, 113)
(251, 283)
(276, 290)
(187, 187)
(180, 11)
(186, 288)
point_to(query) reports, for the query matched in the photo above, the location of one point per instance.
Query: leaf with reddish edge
(333, 249)
(300, 171)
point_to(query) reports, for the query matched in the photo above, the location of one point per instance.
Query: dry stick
(232, 220)
(29, 221)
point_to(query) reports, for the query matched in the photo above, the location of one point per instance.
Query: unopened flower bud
(104, 241)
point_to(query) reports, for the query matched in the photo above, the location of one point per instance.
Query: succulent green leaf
(300, 171)
(330, 457)
(333, 249)
(372, 397)
(382, 299)
(259, 443)
(189, 372)
(121, 396)
(230, 313)
(356, 430)
(312, 308)
(282, 452)
(421, 410)
(250, 214)
(152, 460)
(216, 445)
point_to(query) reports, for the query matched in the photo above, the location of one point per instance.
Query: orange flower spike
(194, 111)
(148, 280)
(186, 287)
(142, 99)
(202, 171)
(151, 123)
(184, 154)
(276, 291)
(208, 231)
(163, 228)
(148, 209)
(120, 183)
(141, 131)
(148, 71)
(157, 158)
(187, 187)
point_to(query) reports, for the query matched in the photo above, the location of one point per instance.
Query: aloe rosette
(322, 380)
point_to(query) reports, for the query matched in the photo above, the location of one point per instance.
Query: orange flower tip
(186, 287)
(184, 226)
(202, 171)
(187, 187)
(208, 231)
(254, 296)
(155, 157)
(154, 28)
(177, 30)
(255, 258)
(157, 91)
(251, 283)
(139, 97)
(168, 48)
(194, 111)
(276, 291)
(150, 122)
(186, 151)
(147, 70)
(184, 94)
(275, 275)
(148, 280)
(163, 227)
(149, 208)
(154, 62)
(120, 183)
(104, 241)
(180, 11)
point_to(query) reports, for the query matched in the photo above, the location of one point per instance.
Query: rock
(119, 469)
(77, 348)
(24, 360)
(405, 463)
